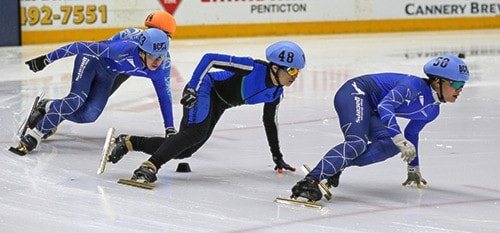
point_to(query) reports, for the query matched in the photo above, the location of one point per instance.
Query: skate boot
(28, 142)
(147, 172)
(38, 113)
(307, 188)
(122, 147)
(334, 180)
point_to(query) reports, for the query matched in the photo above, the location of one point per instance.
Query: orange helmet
(161, 20)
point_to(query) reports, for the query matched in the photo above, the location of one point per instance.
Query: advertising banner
(249, 17)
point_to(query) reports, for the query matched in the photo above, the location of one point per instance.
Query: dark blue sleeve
(220, 61)
(412, 131)
(107, 49)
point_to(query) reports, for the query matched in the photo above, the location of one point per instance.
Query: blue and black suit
(241, 80)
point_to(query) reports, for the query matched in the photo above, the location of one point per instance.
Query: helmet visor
(291, 71)
(455, 84)
(156, 56)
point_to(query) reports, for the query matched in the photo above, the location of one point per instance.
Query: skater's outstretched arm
(271, 126)
(107, 49)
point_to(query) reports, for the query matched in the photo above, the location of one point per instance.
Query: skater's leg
(63, 109)
(170, 148)
(353, 109)
(377, 151)
(149, 145)
(97, 95)
(197, 125)
(216, 112)
(186, 141)
(59, 109)
(354, 112)
(381, 147)
(196, 129)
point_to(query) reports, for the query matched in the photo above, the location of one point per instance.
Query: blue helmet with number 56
(447, 66)
(154, 41)
(287, 54)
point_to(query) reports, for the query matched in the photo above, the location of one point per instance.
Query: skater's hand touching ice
(281, 164)
(414, 177)
(37, 64)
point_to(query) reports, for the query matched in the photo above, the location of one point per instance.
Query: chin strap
(435, 96)
(277, 80)
(144, 62)
(440, 96)
(275, 74)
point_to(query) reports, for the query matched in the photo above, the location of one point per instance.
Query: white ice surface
(233, 185)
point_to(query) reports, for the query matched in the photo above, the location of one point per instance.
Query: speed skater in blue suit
(96, 66)
(367, 108)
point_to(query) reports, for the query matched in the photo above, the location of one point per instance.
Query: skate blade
(24, 126)
(134, 183)
(326, 192)
(17, 151)
(106, 150)
(290, 201)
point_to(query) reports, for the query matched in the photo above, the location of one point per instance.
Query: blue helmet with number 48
(287, 54)
(154, 41)
(447, 66)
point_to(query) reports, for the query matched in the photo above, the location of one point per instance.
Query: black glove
(37, 64)
(169, 131)
(189, 98)
(281, 164)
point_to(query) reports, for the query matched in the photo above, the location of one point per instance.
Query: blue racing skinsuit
(242, 80)
(367, 108)
(95, 68)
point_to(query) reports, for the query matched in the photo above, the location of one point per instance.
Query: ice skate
(294, 201)
(324, 187)
(24, 126)
(106, 150)
(122, 147)
(27, 143)
(147, 172)
(307, 188)
(37, 113)
(334, 180)
(143, 176)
